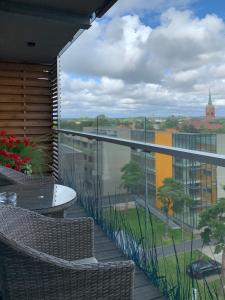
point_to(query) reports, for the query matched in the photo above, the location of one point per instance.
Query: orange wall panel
(163, 163)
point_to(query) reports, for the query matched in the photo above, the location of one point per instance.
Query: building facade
(203, 182)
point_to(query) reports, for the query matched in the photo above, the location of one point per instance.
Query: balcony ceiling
(35, 31)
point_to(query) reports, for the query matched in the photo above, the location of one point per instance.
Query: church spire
(210, 109)
(210, 98)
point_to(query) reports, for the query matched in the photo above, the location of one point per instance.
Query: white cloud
(110, 49)
(127, 66)
(134, 99)
(114, 86)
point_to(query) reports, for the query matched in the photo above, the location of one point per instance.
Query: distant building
(210, 110)
(103, 161)
(98, 165)
(203, 124)
(199, 179)
(157, 123)
(203, 182)
(209, 121)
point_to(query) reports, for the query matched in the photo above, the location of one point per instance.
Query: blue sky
(152, 58)
(199, 7)
(204, 7)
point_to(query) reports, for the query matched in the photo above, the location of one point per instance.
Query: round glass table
(48, 199)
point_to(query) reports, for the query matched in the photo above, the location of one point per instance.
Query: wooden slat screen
(54, 97)
(26, 100)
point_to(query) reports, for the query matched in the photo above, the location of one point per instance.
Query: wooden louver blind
(54, 97)
(25, 99)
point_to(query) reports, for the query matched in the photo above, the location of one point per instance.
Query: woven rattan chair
(21, 178)
(49, 259)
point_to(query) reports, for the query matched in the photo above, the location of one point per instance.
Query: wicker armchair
(21, 178)
(51, 259)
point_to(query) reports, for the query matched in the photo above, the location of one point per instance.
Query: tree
(173, 198)
(188, 128)
(131, 177)
(145, 124)
(103, 120)
(212, 224)
(171, 122)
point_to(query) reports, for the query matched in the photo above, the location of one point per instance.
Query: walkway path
(181, 247)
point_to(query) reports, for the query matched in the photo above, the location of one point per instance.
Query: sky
(147, 58)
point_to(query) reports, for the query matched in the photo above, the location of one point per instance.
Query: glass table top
(38, 196)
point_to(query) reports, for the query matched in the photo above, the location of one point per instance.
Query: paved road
(187, 246)
(182, 247)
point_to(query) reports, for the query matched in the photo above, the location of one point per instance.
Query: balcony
(133, 218)
(130, 222)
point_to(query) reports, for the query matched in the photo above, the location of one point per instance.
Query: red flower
(20, 162)
(26, 141)
(4, 152)
(4, 140)
(17, 168)
(15, 156)
(10, 146)
(26, 159)
(3, 132)
(11, 140)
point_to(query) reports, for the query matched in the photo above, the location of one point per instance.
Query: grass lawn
(170, 263)
(137, 220)
(173, 268)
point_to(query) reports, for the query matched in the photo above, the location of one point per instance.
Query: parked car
(202, 268)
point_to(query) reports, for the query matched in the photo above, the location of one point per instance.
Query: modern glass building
(146, 163)
(199, 179)
(203, 182)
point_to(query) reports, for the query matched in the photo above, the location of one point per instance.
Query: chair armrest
(109, 281)
(68, 239)
(51, 278)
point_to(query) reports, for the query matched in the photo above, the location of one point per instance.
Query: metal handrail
(201, 156)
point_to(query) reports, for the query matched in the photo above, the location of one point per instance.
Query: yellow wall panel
(163, 163)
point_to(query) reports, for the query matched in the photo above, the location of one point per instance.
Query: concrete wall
(114, 157)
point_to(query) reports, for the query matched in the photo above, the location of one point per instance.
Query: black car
(202, 268)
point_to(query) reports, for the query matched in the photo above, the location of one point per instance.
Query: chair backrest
(17, 224)
(13, 175)
(22, 227)
(15, 233)
(17, 177)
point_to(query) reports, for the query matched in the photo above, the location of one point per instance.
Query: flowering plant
(20, 154)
